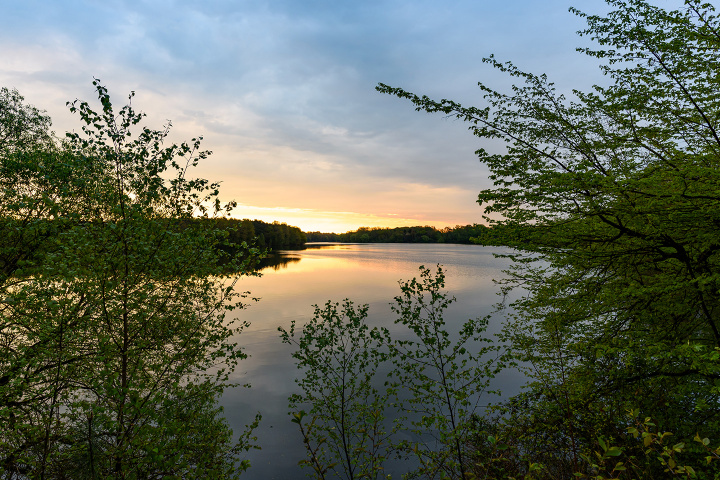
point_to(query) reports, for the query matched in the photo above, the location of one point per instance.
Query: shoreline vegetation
(271, 237)
(460, 234)
(280, 236)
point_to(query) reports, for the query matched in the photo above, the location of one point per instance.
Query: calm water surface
(365, 273)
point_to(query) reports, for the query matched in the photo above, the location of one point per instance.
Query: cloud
(283, 91)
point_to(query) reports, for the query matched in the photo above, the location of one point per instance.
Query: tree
(430, 390)
(614, 198)
(437, 379)
(34, 176)
(339, 355)
(114, 343)
(22, 127)
(26, 194)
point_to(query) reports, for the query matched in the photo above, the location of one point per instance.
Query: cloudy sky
(283, 91)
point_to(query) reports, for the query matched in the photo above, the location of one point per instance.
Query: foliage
(31, 177)
(339, 355)
(657, 449)
(439, 380)
(615, 195)
(273, 236)
(432, 386)
(22, 127)
(114, 344)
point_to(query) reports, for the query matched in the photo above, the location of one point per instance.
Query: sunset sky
(284, 91)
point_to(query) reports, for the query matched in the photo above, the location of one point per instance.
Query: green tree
(114, 341)
(339, 354)
(430, 389)
(35, 175)
(438, 380)
(28, 181)
(616, 194)
(22, 127)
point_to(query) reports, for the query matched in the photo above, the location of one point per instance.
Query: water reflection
(364, 273)
(277, 261)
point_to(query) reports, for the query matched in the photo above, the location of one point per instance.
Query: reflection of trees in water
(274, 260)
(277, 261)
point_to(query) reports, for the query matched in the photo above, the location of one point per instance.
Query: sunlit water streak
(365, 273)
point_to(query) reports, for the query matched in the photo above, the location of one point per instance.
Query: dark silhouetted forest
(466, 234)
(273, 235)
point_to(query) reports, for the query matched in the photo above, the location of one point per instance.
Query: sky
(283, 91)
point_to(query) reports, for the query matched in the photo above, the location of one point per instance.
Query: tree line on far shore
(463, 234)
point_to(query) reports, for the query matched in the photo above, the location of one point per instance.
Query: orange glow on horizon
(332, 222)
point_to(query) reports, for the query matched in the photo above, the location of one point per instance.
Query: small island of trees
(263, 235)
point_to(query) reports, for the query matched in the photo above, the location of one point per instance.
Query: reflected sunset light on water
(364, 273)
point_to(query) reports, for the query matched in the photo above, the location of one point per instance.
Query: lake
(364, 273)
